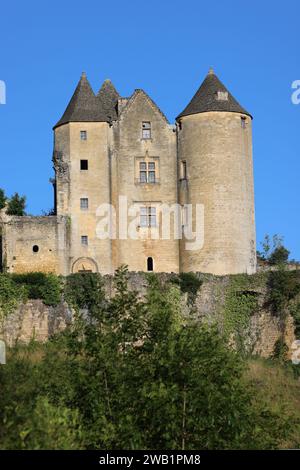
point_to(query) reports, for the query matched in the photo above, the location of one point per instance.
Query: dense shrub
(138, 375)
(189, 283)
(46, 287)
(283, 287)
(10, 294)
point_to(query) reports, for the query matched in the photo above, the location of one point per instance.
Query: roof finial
(211, 71)
(83, 75)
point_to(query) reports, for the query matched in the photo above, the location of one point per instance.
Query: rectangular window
(84, 164)
(84, 203)
(148, 216)
(84, 240)
(83, 135)
(146, 130)
(147, 172)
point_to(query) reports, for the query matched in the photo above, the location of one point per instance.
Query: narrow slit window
(243, 122)
(183, 170)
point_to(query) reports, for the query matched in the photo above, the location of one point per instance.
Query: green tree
(132, 373)
(2, 199)
(16, 205)
(280, 255)
(273, 250)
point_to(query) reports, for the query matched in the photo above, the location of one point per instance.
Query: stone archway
(85, 265)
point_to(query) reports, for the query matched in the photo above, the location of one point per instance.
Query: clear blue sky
(165, 47)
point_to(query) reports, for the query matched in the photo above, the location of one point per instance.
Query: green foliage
(280, 350)
(51, 427)
(46, 287)
(134, 375)
(85, 291)
(279, 256)
(2, 199)
(294, 309)
(283, 287)
(240, 304)
(16, 205)
(10, 295)
(189, 283)
(274, 251)
(28, 419)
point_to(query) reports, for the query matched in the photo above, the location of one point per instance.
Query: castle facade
(122, 171)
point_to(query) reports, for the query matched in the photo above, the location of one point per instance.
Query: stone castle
(116, 152)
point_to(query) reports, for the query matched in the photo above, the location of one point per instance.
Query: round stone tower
(216, 177)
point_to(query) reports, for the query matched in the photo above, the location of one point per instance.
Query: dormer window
(222, 96)
(146, 130)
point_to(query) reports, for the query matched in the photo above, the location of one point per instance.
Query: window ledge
(146, 183)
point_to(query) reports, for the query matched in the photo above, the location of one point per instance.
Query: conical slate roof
(212, 96)
(84, 105)
(108, 99)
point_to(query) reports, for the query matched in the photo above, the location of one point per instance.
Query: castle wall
(34, 244)
(130, 149)
(207, 161)
(218, 154)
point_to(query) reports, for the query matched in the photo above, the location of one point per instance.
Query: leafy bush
(10, 294)
(189, 283)
(283, 287)
(279, 256)
(274, 251)
(84, 290)
(46, 287)
(139, 375)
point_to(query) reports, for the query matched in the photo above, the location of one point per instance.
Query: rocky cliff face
(239, 305)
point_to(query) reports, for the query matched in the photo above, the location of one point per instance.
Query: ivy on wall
(10, 295)
(240, 303)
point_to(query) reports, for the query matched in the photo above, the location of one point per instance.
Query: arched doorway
(149, 263)
(85, 265)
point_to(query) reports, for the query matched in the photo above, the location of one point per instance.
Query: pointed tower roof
(83, 106)
(108, 99)
(212, 96)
